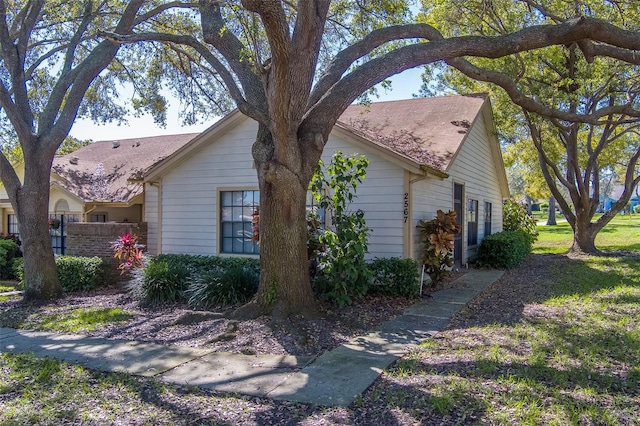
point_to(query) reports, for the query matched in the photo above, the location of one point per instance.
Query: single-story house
(97, 183)
(425, 154)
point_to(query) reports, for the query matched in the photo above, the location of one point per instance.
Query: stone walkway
(335, 378)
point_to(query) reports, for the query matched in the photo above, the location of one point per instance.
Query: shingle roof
(427, 130)
(129, 160)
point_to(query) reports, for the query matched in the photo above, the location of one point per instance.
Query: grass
(76, 320)
(572, 357)
(8, 286)
(622, 233)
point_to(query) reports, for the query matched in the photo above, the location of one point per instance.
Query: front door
(458, 192)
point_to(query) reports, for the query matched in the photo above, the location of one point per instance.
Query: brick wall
(94, 239)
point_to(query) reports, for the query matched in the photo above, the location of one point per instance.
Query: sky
(404, 86)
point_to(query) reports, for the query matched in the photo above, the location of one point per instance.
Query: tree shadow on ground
(543, 277)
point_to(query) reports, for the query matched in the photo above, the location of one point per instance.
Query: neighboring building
(97, 184)
(425, 154)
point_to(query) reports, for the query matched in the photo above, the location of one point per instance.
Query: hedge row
(9, 251)
(506, 249)
(75, 272)
(207, 281)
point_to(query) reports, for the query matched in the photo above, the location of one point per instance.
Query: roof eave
(496, 151)
(66, 190)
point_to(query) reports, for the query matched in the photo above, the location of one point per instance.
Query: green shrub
(164, 282)
(636, 209)
(214, 288)
(9, 250)
(506, 249)
(80, 273)
(515, 218)
(166, 277)
(342, 272)
(198, 263)
(18, 271)
(395, 277)
(75, 273)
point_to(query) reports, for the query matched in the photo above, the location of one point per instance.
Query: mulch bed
(178, 325)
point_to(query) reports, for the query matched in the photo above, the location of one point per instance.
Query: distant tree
(597, 94)
(53, 69)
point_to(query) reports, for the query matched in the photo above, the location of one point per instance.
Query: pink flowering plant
(127, 250)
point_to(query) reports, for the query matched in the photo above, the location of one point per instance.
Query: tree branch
(57, 123)
(305, 48)
(228, 79)
(216, 33)
(373, 72)
(163, 8)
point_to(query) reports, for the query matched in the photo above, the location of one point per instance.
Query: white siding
(151, 217)
(473, 167)
(190, 190)
(189, 199)
(476, 167)
(379, 196)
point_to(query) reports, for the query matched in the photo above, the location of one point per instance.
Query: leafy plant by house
(437, 236)
(127, 250)
(506, 249)
(515, 218)
(394, 276)
(164, 282)
(343, 273)
(222, 287)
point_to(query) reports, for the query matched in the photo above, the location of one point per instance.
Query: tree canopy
(598, 96)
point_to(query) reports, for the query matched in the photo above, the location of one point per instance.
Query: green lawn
(556, 342)
(570, 357)
(622, 233)
(8, 286)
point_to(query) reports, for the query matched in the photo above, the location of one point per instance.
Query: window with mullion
(472, 222)
(487, 218)
(236, 213)
(12, 225)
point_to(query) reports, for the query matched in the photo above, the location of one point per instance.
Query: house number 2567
(406, 207)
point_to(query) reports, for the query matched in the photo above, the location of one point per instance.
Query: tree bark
(285, 287)
(551, 219)
(32, 210)
(584, 235)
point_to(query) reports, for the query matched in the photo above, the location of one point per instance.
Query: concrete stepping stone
(254, 375)
(140, 358)
(336, 378)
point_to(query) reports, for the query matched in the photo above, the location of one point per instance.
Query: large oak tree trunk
(285, 287)
(40, 273)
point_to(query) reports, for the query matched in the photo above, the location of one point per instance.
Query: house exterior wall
(475, 168)
(380, 196)
(131, 214)
(190, 194)
(151, 217)
(56, 196)
(94, 239)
